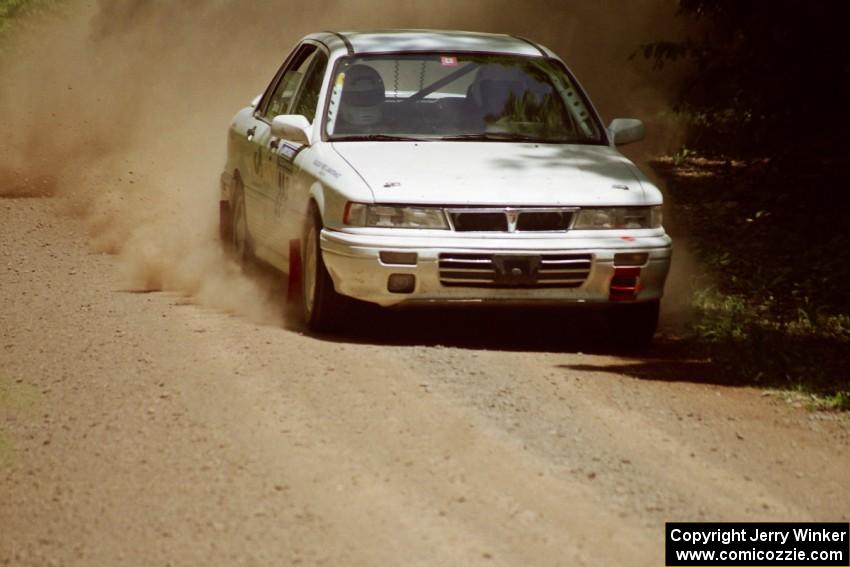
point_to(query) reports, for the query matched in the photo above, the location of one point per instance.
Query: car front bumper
(354, 263)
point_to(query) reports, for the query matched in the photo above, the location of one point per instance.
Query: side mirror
(626, 130)
(293, 127)
(256, 101)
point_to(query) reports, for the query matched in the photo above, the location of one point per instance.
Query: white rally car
(401, 167)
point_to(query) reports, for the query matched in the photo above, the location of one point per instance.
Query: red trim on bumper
(625, 284)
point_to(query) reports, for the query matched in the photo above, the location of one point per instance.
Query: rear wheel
(633, 325)
(323, 308)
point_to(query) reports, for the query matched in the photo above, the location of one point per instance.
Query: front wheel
(323, 308)
(633, 325)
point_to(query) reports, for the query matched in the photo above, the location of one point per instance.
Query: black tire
(240, 244)
(324, 310)
(633, 325)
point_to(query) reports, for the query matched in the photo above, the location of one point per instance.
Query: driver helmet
(493, 87)
(362, 96)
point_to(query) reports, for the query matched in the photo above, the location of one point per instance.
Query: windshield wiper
(376, 138)
(500, 137)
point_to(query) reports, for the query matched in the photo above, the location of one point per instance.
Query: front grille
(566, 270)
(480, 222)
(511, 219)
(514, 270)
(544, 221)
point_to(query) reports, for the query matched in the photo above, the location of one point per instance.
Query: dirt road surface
(141, 429)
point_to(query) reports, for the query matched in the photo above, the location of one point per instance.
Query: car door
(262, 187)
(292, 188)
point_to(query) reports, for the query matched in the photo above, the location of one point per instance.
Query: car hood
(494, 173)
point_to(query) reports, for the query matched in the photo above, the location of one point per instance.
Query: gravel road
(144, 429)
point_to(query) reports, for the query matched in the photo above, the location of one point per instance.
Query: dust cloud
(120, 109)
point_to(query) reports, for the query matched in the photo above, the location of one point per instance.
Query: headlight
(358, 214)
(618, 217)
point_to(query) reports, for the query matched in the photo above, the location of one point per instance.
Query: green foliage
(838, 401)
(776, 312)
(13, 12)
(681, 157)
(749, 342)
(766, 76)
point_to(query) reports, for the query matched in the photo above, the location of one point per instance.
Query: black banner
(768, 544)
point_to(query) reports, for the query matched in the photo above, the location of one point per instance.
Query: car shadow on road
(818, 363)
(670, 357)
(537, 329)
(665, 362)
(514, 328)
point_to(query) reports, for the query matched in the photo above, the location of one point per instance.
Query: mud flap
(293, 284)
(224, 221)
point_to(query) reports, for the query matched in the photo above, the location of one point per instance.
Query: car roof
(386, 41)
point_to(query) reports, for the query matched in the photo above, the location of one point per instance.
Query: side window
(288, 83)
(308, 98)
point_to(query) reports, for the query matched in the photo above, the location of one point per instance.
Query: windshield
(460, 96)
